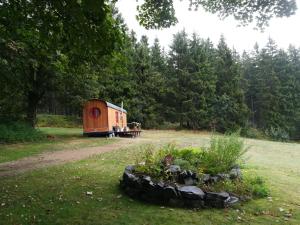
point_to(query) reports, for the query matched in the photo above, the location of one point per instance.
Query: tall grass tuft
(223, 154)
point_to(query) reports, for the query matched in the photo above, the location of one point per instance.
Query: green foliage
(272, 87)
(230, 109)
(251, 132)
(46, 120)
(150, 163)
(184, 164)
(42, 42)
(277, 134)
(13, 132)
(250, 186)
(257, 186)
(196, 85)
(223, 153)
(158, 14)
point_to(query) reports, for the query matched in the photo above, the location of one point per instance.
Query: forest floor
(58, 194)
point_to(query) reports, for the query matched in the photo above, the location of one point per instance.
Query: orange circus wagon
(101, 118)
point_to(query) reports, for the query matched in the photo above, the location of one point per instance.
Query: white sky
(284, 31)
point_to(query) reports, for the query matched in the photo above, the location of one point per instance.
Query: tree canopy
(154, 14)
(42, 41)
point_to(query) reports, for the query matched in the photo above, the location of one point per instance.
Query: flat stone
(233, 200)
(223, 176)
(129, 168)
(146, 179)
(147, 183)
(217, 199)
(189, 181)
(235, 173)
(214, 179)
(217, 195)
(191, 192)
(169, 192)
(188, 177)
(174, 169)
(196, 204)
(205, 178)
(130, 179)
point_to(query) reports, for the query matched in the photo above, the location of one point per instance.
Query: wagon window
(117, 117)
(95, 112)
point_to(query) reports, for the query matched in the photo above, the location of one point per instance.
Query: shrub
(277, 134)
(252, 186)
(223, 154)
(257, 186)
(251, 132)
(45, 120)
(13, 132)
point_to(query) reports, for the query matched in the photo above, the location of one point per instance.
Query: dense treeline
(194, 84)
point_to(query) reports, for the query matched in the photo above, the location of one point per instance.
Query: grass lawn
(62, 138)
(57, 195)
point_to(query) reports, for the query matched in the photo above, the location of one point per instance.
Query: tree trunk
(32, 102)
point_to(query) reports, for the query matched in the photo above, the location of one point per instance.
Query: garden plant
(195, 177)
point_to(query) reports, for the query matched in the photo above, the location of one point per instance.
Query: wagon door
(95, 117)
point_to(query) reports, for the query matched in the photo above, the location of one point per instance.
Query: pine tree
(230, 110)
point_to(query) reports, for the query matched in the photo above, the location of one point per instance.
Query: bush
(223, 154)
(251, 186)
(45, 120)
(13, 132)
(257, 186)
(277, 134)
(251, 132)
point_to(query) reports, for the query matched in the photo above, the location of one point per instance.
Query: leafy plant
(257, 185)
(150, 163)
(248, 187)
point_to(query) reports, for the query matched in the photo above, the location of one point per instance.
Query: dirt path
(59, 157)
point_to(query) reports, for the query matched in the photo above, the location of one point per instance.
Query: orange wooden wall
(92, 124)
(105, 121)
(112, 118)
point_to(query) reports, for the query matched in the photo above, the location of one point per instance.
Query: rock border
(190, 196)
